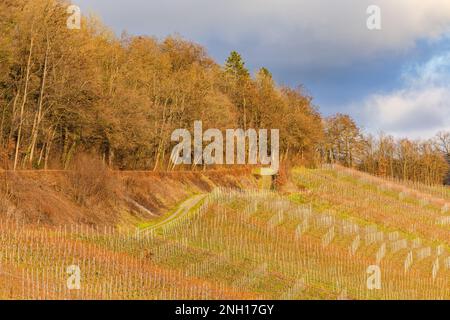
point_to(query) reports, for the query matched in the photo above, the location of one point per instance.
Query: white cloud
(420, 108)
(286, 32)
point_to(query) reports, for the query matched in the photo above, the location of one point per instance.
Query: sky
(394, 80)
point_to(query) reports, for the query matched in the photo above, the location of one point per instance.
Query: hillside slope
(93, 195)
(322, 241)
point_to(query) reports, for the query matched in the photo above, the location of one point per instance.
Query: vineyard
(326, 240)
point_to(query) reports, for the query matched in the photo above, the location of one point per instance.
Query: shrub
(91, 181)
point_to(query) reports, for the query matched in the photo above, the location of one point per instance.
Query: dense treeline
(68, 91)
(64, 92)
(423, 161)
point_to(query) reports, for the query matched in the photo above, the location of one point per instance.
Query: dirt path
(182, 210)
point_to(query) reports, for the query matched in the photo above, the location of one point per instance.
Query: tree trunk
(24, 101)
(38, 118)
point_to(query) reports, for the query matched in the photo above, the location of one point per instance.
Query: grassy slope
(95, 196)
(251, 245)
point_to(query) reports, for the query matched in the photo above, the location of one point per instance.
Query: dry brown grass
(89, 193)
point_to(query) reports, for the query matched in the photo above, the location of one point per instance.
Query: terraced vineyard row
(342, 237)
